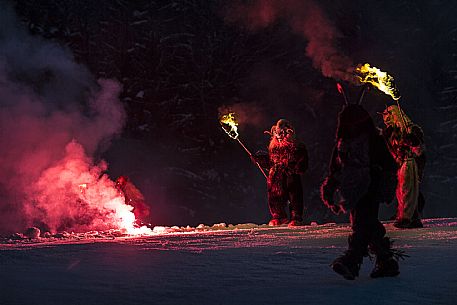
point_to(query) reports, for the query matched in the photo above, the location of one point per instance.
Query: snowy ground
(245, 264)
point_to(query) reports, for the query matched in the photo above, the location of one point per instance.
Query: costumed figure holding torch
(406, 144)
(286, 160)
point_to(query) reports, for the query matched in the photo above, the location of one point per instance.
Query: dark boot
(416, 223)
(277, 222)
(408, 224)
(296, 219)
(385, 267)
(295, 223)
(348, 265)
(386, 259)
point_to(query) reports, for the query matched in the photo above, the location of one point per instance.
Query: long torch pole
(249, 153)
(401, 115)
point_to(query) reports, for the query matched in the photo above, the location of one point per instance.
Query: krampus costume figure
(406, 144)
(287, 159)
(134, 198)
(362, 174)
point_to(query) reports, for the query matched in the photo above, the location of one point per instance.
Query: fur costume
(287, 159)
(361, 176)
(406, 144)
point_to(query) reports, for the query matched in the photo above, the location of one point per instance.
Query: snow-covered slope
(243, 264)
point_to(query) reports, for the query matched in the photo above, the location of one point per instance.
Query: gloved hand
(328, 189)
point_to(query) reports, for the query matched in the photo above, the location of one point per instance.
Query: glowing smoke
(247, 114)
(54, 116)
(305, 18)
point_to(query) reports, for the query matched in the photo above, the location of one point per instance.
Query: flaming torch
(381, 80)
(229, 125)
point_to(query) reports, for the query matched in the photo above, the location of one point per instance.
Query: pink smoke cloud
(306, 18)
(53, 117)
(75, 194)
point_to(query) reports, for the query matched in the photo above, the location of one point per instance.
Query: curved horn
(271, 132)
(341, 91)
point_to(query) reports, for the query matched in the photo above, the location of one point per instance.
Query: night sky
(177, 64)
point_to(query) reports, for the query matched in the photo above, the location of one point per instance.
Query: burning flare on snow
(381, 80)
(76, 195)
(82, 187)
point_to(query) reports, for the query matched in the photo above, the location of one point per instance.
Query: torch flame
(229, 124)
(377, 78)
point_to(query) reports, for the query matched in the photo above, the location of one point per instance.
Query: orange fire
(230, 125)
(381, 80)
